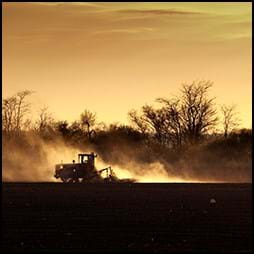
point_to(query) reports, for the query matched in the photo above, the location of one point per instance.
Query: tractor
(83, 171)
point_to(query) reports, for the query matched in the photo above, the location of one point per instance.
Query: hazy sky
(113, 57)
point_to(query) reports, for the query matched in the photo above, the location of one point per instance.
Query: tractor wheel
(64, 180)
(67, 180)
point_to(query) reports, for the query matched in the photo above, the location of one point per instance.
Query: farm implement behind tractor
(85, 171)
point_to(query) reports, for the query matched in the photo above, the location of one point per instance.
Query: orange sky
(113, 57)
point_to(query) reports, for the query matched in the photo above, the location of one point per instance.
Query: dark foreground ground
(126, 217)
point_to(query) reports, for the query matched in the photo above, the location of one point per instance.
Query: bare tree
(230, 119)
(45, 120)
(173, 121)
(88, 120)
(22, 107)
(198, 110)
(8, 114)
(155, 118)
(180, 120)
(185, 118)
(27, 125)
(138, 121)
(14, 110)
(150, 121)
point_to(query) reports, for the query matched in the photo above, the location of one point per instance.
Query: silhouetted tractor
(84, 171)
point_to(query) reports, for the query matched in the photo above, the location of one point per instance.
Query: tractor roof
(87, 154)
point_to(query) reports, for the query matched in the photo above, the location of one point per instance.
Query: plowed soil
(126, 217)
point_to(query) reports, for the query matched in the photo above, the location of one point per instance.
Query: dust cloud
(33, 159)
(35, 162)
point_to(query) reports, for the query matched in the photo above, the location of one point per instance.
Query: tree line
(178, 122)
(180, 133)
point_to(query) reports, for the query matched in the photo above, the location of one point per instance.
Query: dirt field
(126, 217)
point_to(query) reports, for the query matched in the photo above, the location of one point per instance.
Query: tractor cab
(87, 158)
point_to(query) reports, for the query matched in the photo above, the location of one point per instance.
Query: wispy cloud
(68, 3)
(159, 12)
(126, 30)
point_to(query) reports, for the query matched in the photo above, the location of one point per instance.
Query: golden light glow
(112, 57)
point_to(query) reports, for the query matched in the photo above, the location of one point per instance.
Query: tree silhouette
(229, 120)
(197, 109)
(138, 121)
(180, 120)
(173, 121)
(88, 120)
(45, 120)
(14, 110)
